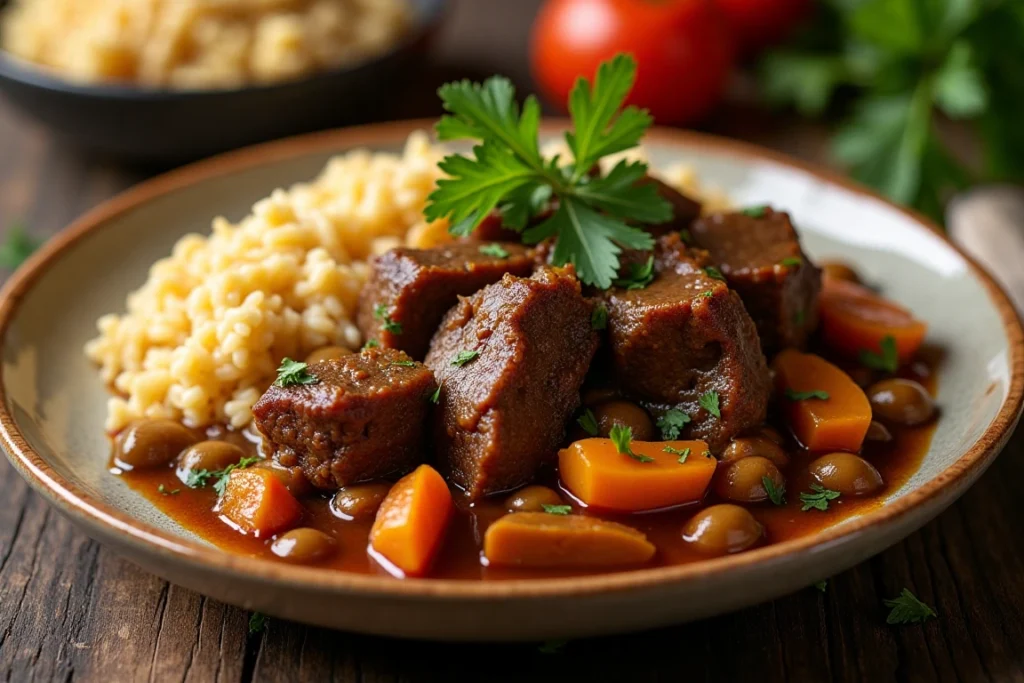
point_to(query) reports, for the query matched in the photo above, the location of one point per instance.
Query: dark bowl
(171, 126)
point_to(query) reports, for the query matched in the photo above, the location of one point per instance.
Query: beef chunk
(761, 258)
(684, 335)
(684, 210)
(502, 413)
(410, 290)
(364, 419)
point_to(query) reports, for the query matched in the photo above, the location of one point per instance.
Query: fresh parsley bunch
(596, 217)
(899, 67)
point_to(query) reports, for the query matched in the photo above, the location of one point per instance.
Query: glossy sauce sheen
(460, 558)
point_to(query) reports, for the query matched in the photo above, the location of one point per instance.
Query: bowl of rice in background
(168, 81)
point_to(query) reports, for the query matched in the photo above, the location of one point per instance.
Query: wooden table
(71, 610)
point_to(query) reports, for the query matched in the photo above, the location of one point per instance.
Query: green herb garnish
(886, 361)
(380, 312)
(622, 437)
(806, 395)
(494, 249)
(755, 211)
(671, 424)
(683, 453)
(557, 509)
(640, 275)
(463, 357)
(706, 294)
(907, 609)
(167, 492)
(685, 236)
(588, 422)
(599, 317)
(709, 402)
(435, 397)
(292, 372)
(777, 494)
(200, 478)
(791, 262)
(370, 344)
(818, 498)
(821, 585)
(714, 273)
(596, 216)
(257, 622)
(404, 363)
(17, 246)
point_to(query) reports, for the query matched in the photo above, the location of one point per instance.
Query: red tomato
(759, 23)
(684, 51)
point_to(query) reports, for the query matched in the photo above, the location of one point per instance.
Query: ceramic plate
(52, 407)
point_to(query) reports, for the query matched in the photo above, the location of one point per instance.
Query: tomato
(759, 23)
(684, 51)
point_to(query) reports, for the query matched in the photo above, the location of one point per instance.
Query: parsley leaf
(404, 363)
(257, 622)
(588, 422)
(886, 361)
(557, 509)
(777, 494)
(17, 246)
(683, 453)
(495, 250)
(686, 236)
(506, 170)
(706, 294)
(640, 275)
(714, 273)
(380, 312)
(166, 491)
(709, 402)
(463, 357)
(818, 498)
(599, 317)
(907, 609)
(806, 395)
(622, 437)
(291, 372)
(671, 424)
(370, 344)
(821, 585)
(200, 478)
(755, 211)
(435, 397)
(791, 262)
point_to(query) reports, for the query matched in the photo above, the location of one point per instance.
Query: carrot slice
(258, 503)
(412, 521)
(599, 475)
(854, 320)
(826, 409)
(539, 539)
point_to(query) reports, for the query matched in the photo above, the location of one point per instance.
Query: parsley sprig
(671, 424)
(199, 478)
(776, 494)
(17, 246)
(886, 361)
(380, 312)
(588, 422)
(709, 402)
(907, 609)
(818, 498)
(507, 171)
(292, 372)
(622, 437)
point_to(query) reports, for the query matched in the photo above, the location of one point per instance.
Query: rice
(203, 336)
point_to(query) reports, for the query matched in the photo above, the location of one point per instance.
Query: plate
(170, 126)
(52, 400)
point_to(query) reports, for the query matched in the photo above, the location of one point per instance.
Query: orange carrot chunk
(599, 475)
(855, 320)
(824, 408)
(412, 521)
(539, 539)
(258, 503)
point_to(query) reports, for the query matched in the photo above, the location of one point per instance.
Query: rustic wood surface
(71, 610)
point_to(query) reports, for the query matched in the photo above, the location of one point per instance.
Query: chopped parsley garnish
(557, 509)
(494, 249)
(777, 494)
(599, 317)
(588, 422)
(257, 622)
(371, 344)
(380, 312)
(200, 478)
(907, 609)
(709, 402)
(552, 647)
(640, 275)
(714, 273)
(755, 211)
(818, 498)
(463, 357)
(791, 262)
(17, 246)
(292, 372)
(166, 491)
(404, 363)
(435, 397)
(671, 423)
(685, 236)
(622, 437)
(706, 294)
(887, 361)
(793, 395)
(597, 217)
(821, 585)
(683, 453)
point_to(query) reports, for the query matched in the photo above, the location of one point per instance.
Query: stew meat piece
(684, 210)
(684, 336)
(761, 258)
(365, 418)
(502, 412)
(410, 290)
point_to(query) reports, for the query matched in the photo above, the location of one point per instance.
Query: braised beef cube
(684, 210)
(410, 290)
(759, 253)
(685, 336)
(365, 418)
(510, 361)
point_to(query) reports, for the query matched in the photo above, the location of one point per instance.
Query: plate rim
(145, 538)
